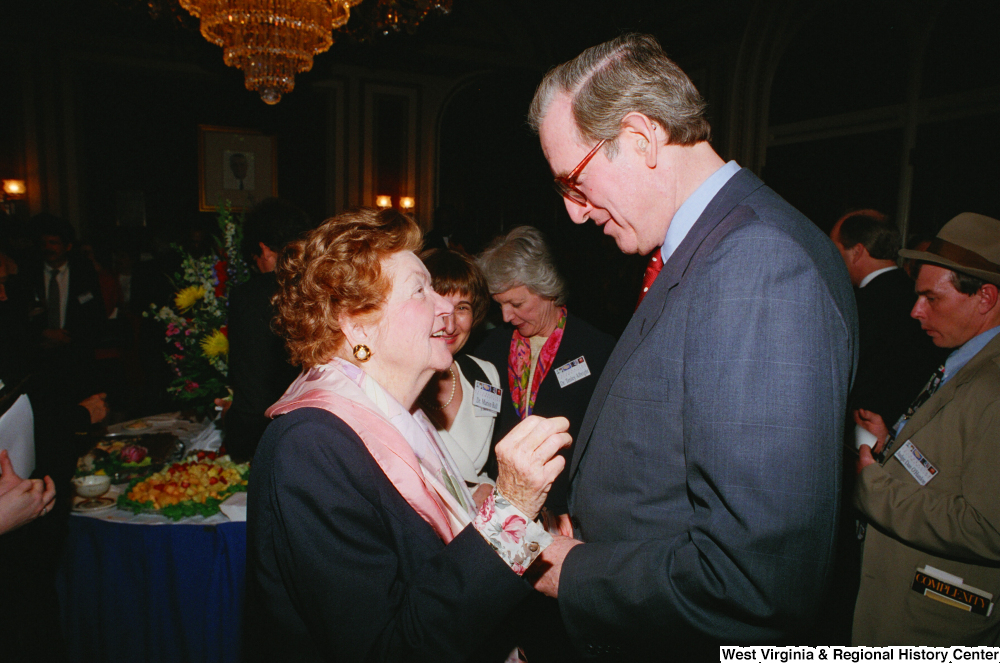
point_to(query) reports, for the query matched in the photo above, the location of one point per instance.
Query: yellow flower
(188, 297)
(215, 344)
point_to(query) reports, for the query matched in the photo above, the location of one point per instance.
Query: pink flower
(178, 345)
(172, 329)
(190, 385)
(188, 332)
(513, 529)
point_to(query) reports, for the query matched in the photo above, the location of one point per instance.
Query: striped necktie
(928, 391)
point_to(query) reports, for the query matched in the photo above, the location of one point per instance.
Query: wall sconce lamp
(12, 190)
(406, 203)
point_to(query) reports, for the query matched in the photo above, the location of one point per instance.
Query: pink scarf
(519, 366)
(339, 387)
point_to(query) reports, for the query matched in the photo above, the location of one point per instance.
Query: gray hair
(629, 74)
(521, 257)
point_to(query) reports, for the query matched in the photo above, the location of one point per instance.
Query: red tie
(652, 269)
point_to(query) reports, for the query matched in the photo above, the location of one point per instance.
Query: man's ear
(989, 296)
(857, 252)
(640, 133)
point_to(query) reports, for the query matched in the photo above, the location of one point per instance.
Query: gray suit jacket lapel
(707, 231)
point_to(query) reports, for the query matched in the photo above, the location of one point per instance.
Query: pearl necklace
(454, 381)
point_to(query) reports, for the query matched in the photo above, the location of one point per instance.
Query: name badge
(85, 297)
(487, 397)
(571, 372)
(919, 467)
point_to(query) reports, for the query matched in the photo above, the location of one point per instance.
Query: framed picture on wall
(238, 165)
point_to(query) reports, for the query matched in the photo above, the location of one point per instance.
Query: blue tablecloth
(158, 593)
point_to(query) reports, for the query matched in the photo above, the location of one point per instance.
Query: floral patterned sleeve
(516, 539)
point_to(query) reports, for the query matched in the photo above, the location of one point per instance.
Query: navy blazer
(340, 567)
(706, 478)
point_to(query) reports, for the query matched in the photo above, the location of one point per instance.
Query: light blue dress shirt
(957, 360)
(962, 355)
(691, 209)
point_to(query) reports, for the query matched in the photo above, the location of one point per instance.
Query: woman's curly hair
(336, 269)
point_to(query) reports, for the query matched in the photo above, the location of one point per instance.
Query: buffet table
(143, 588)
(159, 593)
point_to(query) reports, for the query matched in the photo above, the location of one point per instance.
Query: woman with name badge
(463, 401)
(553, 358)
(363, 542)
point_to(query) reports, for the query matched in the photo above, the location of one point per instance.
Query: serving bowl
(92, 485)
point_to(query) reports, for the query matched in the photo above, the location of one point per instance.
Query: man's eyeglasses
(566, 186)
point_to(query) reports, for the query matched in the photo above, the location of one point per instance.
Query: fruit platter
(123, 461)
(195, 486)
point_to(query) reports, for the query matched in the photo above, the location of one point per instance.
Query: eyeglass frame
(566, 186)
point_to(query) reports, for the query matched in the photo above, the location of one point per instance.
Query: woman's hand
(22, 500)
(529, 461)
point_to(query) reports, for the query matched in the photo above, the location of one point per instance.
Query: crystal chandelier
(270, 40)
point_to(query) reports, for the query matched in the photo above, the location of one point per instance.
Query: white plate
(155, 424)
(95, 505)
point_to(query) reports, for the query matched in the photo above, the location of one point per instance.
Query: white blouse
(468, 441)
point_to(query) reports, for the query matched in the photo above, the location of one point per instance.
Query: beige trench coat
(952, 523)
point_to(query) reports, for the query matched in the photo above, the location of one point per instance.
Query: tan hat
(969, 243)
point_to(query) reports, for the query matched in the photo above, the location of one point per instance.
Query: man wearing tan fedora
(931, 563)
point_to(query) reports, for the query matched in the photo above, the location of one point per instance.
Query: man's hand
(874, 424)
(545, 571)
(96, 406)
(55, 337)
(865, 458)
(223, 404)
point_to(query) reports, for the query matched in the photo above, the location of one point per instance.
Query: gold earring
(362, 352)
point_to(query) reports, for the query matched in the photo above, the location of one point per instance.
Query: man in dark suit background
(895, 355)
(259, 371)
(705, 481)
(894, 359)
(68, 314)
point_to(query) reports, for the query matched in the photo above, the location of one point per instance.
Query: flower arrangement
(196, 332)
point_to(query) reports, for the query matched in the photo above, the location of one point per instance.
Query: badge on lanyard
(915, 463)
(486, 397)
(572, 371)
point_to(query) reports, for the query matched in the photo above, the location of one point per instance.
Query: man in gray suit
(705, 480)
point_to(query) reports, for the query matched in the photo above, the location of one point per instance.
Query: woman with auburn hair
(363, 541)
